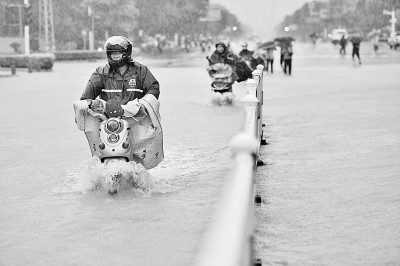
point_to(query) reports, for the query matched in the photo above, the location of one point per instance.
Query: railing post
(251, 104)
(230, 242)
(260, 96)
(260, 68)
(251, 86)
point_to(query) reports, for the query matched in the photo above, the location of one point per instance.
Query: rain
(122, 121)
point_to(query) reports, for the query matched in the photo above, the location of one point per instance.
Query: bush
(35, 61)
(79, 55)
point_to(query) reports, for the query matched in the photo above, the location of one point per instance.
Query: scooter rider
(121, 79)
(223, 55)
(245, 53)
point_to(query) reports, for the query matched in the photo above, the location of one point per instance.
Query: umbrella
(266, 45)
(355, 39)
(285, 39)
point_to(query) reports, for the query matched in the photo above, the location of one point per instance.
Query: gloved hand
(97, 106)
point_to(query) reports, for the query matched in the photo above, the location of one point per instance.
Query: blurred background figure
(268, 49)
(314, 37)
(269, 56)
(287, 59)
(374, 37)
(342, 43)
(247, 55)
(356, 42)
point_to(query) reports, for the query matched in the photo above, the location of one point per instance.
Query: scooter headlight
(113, 138)
(112, 125)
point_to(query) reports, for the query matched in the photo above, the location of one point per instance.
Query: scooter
(222, 77)
(117, 134)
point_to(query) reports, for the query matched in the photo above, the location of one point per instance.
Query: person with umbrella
(356, 41)
(287, 53)
(267, 54)
(284, 43)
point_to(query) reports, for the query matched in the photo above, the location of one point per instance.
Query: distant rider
(121, 79)
(245, 53)
(223, 55)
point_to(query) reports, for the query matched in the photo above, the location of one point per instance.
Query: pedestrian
(356, 41)
(269, 56)
(375, 44)
(121, 78)
(287, 59)
(283, 48)
(314, 37)
(342, 43)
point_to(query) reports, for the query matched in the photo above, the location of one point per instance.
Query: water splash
(92, 175)
(227, 98)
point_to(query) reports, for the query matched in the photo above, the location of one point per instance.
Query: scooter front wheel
(113, 182)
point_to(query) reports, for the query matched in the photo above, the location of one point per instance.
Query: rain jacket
(146, 134)
(246, 54)
(287, 53)
(270, 54)
(108, 83)
(226, 57)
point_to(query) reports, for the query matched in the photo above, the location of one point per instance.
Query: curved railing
(229, 242)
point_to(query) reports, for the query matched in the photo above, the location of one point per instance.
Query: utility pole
(26, 28)
(393, 20)
(46, 26)
(91, 32)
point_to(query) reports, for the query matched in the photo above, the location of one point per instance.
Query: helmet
(244, 44)
(220, 43)
(118, 44)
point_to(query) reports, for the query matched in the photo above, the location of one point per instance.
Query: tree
(170, 16)
(366, 16)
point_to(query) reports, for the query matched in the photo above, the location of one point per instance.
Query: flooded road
(50, 214)
(332, 182)
(331, 185)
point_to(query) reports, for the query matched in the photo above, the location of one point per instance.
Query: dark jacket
(288, 53)
(246, 54)
(343, 41)
(108, 83)
(356, 43)
(226, 57)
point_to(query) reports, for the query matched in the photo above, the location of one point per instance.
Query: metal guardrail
(229, 242)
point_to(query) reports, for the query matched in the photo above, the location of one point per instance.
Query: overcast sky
(261, 15)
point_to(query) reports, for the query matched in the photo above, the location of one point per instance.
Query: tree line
(72, 19)
(363, 18)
